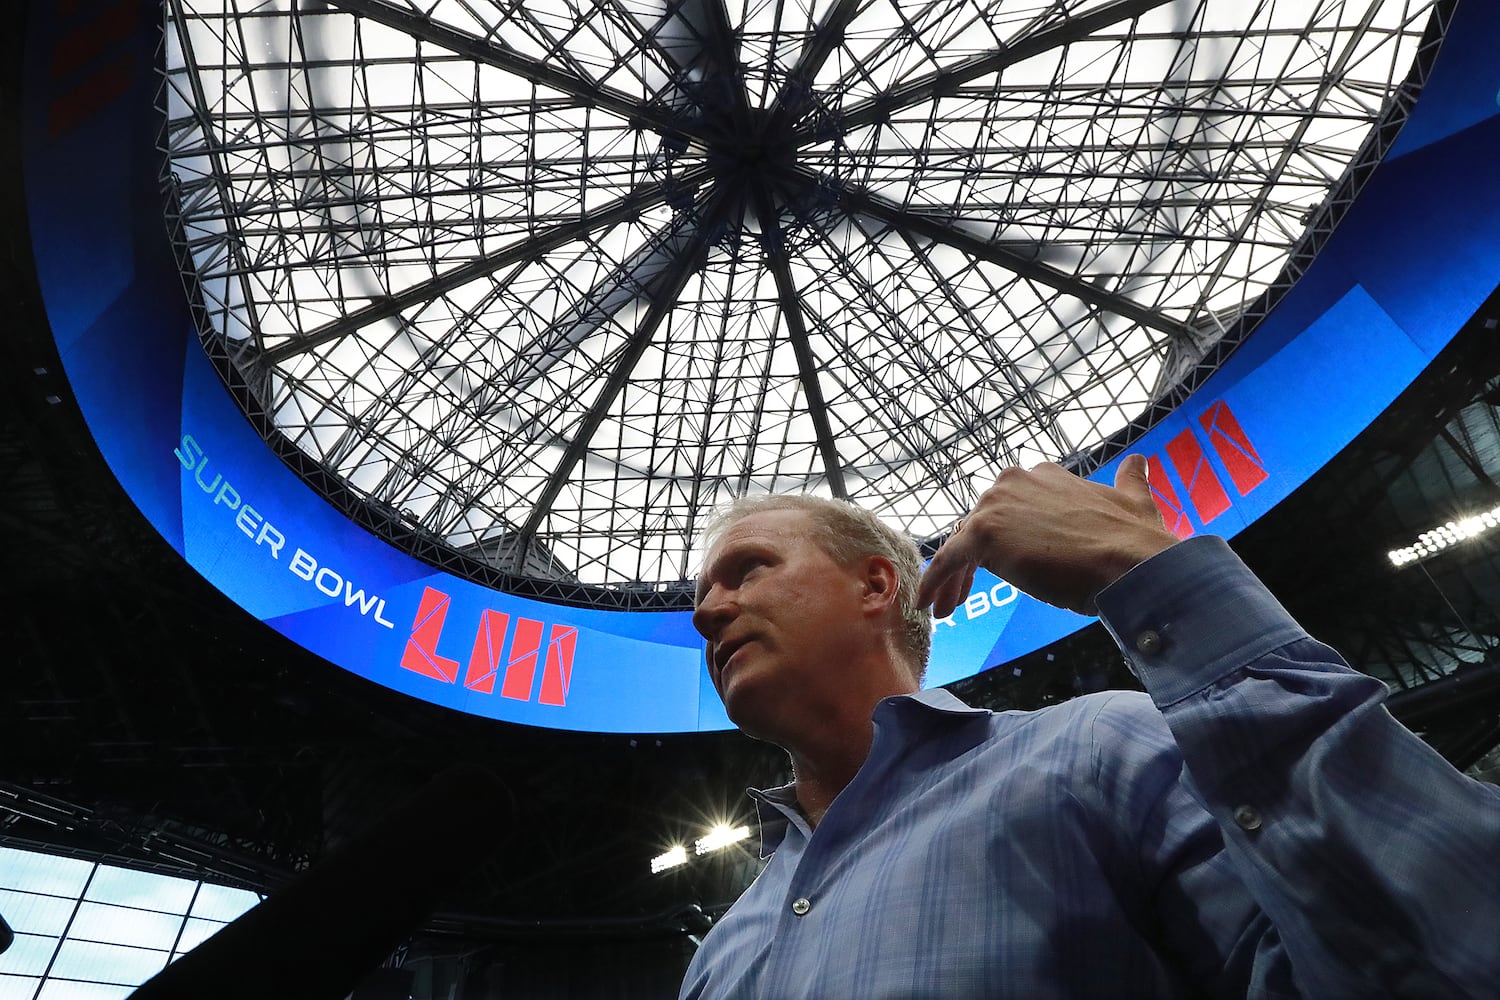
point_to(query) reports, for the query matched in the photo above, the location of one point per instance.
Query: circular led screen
(510, 295)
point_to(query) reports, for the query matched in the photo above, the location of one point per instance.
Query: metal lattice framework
(527, 287)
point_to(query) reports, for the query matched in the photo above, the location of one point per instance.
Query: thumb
(1130, 477)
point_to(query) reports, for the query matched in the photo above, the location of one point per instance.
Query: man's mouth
(726, 651)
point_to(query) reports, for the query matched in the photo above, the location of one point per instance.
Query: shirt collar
(940, 701)
(775, 808)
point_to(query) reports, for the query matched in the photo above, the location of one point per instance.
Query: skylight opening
(559, 276)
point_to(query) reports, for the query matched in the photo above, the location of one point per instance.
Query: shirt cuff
(1191, 614)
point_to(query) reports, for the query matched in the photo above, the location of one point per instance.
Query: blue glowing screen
(1408, 265)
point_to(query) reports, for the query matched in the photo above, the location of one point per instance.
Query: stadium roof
(544, 281)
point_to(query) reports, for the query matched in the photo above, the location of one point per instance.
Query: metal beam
(665, 33)
(721, 48)
(1333, 76)
(687, 264)
(953, 395)
(235, 244)
(1474, 690)
(648, 30)
(1022, 394)
(1465, 454)
(791, 310)
(826, 37)
(705, 50)
(493, 54)
(639, 276)
(706, 47)
(856, 199)
(624, 209)
(713, 37)
(944, 81)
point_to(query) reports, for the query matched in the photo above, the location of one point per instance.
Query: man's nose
(713, 613)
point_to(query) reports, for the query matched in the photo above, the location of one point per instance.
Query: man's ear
(882, 581)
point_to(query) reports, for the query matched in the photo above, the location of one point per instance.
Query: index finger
(948, 578)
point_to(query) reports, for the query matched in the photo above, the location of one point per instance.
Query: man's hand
(1060, 538)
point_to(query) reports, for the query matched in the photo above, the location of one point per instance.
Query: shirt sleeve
(1373, 859)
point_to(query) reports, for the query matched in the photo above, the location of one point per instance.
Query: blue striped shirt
(1258, 825)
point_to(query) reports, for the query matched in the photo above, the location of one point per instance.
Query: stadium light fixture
(674, 858)
(1430, 543)
(720, 837)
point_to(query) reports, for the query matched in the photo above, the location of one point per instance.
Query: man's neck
(820, 780)
(831, 742)
(823, 766)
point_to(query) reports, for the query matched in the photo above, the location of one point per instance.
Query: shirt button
(800, 907)
(1248, 818)
(1148, 642)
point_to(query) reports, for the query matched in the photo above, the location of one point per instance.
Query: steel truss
(524, 288)
(56, 826)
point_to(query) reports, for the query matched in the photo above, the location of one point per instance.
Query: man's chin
(751, 715)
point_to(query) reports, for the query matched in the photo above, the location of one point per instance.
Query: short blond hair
(848, 534)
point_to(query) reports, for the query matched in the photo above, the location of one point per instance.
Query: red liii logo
(519, 658)
(1205, 492)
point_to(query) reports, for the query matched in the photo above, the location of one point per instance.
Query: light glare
(720, 837)
(674, 858)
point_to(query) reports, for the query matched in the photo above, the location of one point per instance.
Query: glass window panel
(26, 911)
(107, 963)
(143, 889)
(17, 987)
(42, 872)
(28, 955)
(220, 902)
(125, 925)
(110, 947)
(196, 932)
(62, 989)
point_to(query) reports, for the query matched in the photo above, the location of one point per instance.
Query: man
(1258, 825)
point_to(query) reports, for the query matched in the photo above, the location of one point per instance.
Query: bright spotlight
(719, 837)
(673, 858)
(1439, 538)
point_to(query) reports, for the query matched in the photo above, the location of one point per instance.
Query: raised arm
(1372, 858)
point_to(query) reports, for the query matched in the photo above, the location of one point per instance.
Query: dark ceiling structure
(147, 718)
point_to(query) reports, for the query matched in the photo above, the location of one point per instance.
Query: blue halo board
(1410, 263)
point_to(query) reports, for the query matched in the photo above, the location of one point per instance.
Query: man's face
(778, 614)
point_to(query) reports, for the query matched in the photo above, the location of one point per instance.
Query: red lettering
(489, 642)
(489, 652)
(1204, 490)
(421, 653)
(1172, 513)
(559, 671)
(520, 672)
(1234, 448)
